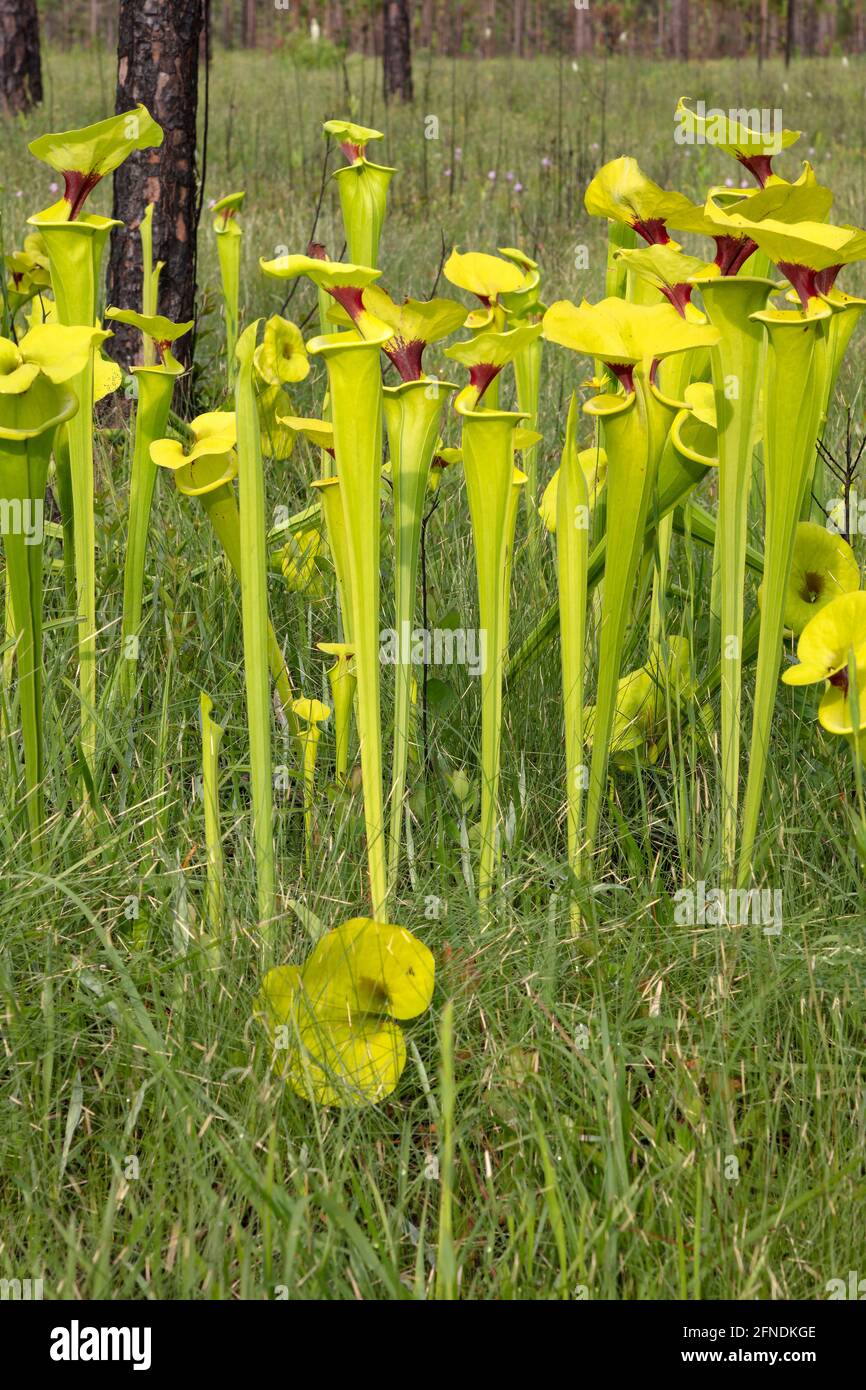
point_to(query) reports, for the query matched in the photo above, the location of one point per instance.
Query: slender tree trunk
(249, 23)
(681, 29)
(426, 35)
(158, 62)
(396, 50)
(228, 24)
(517, 42)
(789, 32)
(762, 33)
(20, 64)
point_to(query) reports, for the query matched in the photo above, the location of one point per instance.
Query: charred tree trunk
(158, 61)
(396, 50)
(20, 63)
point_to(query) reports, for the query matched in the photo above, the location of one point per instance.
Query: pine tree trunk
(20, 64)
(681, 29)
(396, 50)
(249, 23)
(790, 32)
(158, 61)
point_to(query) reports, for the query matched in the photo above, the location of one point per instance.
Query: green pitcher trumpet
(748, 144)
(795, 358)
(150, 275)
(331, 498)
(572, 560)
(254, 609)
(75, 250)
(488, 462)
(622, 192)
(737, 361)
(75, 242)
(341, 678)
(343, 281)
(155, 390)
(490, 279)
(355, 382)
(524, 306)
(85, 156)
(228, 238)
(211, 738)
(310, 715)
(669, 272)
(363, 189)
(413, 412)
(35, 399)
(628, 339)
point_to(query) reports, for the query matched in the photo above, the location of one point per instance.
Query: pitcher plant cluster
(715, 364)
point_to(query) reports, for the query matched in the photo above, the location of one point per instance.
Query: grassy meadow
(648, 1110)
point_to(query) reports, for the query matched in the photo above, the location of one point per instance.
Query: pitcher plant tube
(311, 714)
(229, 233)
(35, 399)
(737, 361)
(363, 189)
(355, 383)
(75, 242)
(629, 339)
(572, 559)
(489, 468)
(341, 679)
(155, 389)
(793, 378)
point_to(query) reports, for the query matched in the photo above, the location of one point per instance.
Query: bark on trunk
(158, 61)
(250, 24)
(396, 50)
(681, 29)
(20, 64)
(790, 32)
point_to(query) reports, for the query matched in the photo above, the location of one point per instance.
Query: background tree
(396, 50)
(158, 64)
(20, 65)
(790, 31)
